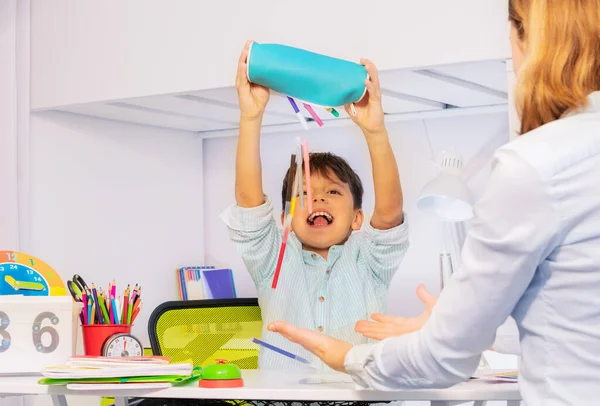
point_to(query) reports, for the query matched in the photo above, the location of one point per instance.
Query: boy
(330, 279)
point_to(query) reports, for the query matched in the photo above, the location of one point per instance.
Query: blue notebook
(219, 284)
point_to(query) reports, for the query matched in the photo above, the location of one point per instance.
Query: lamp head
(446, 196)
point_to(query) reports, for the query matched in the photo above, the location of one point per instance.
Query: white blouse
(533, 252)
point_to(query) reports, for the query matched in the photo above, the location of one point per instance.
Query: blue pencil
(114, 308)
(280, 351)
(99, 316)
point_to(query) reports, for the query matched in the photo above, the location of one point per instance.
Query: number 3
(4, 323)
(38, 331)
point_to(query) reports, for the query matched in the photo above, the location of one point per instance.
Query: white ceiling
(404, 92)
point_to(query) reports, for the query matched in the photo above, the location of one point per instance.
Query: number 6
(4, 323)
(38, 331)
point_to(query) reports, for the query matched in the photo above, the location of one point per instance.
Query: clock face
(21, 274)
(122, 345)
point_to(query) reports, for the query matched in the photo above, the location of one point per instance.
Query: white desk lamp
(447, 198)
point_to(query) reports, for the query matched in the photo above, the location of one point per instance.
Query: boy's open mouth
(319, 219)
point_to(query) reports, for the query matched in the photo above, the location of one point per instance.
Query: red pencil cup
(95, 335)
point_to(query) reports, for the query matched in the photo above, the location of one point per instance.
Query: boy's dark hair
(324, 164)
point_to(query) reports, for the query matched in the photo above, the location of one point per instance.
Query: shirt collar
(593, 106)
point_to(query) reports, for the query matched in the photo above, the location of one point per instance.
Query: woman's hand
(331, 351)
(369, 112)
(253, 98)
(386, 326)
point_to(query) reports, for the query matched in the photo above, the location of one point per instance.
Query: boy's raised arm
(386, 180)
(253, 100)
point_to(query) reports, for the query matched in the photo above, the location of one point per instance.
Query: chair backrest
(202, 331)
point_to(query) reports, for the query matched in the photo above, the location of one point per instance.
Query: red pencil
(280, 259)
(136, 313)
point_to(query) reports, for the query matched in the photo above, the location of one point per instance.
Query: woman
(533, 251)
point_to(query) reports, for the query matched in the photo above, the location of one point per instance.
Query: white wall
(9, 212)
(88, 51)
(467, 135)
(112, 200)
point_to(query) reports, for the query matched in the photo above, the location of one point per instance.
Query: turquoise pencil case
(307, 76)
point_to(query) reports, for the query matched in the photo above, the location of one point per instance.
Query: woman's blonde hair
(561, 65)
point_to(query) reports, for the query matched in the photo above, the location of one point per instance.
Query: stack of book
(101, 373)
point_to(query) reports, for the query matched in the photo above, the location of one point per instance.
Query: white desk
(283, 386)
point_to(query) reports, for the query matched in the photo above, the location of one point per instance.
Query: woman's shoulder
(556, 146)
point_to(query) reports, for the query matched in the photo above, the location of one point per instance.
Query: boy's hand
(253, 98)
(369, 112)
(386, 326)
(331, 351)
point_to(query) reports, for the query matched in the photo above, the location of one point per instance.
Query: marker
(279, 350)
(297, 111)
(334, 112)
(313, 114)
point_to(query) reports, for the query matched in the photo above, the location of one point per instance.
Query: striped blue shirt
(317, 294)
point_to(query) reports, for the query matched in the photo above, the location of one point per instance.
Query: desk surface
(285, 386)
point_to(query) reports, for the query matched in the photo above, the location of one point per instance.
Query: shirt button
(314, 255)
(321, 299)
(328, 271)
(320, 329)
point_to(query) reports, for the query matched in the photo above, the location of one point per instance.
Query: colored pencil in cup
(103, 308)
(84, 300)
(115, 311)
(125, 300)
(97, 306)
(135, 313)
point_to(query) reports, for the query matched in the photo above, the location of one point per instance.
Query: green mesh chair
(201, 331)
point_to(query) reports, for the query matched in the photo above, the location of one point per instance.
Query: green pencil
(103, 308)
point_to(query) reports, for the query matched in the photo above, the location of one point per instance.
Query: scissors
(76, 287)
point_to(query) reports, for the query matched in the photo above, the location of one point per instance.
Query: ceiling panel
(128, 113)
(489, 74)
(194, 108)
(429, 86)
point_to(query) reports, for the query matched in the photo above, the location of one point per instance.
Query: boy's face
(333, 217)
